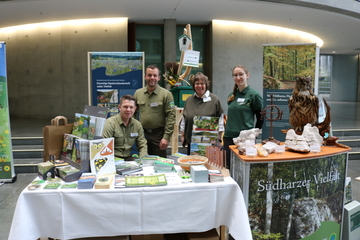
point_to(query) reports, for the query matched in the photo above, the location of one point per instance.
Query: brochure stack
(205, 133)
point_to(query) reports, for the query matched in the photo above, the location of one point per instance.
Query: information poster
(282, 65)
(113, 75)
(7, 173)
(299, 200)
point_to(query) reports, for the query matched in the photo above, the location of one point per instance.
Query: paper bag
(53, 136)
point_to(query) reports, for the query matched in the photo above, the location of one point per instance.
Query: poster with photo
(283, 63)
(113, 75)
(293, 200)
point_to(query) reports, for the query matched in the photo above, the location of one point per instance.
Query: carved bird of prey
(303, 105)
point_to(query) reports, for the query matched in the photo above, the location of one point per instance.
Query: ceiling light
(255, 26)
(77, 22)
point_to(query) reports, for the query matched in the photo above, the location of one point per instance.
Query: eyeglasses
(199, 84)
(238, 75)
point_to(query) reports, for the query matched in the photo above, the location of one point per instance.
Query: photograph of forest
(282, 64)
(295, 200)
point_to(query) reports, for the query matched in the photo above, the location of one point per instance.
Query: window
(325, 69)
(150, 40)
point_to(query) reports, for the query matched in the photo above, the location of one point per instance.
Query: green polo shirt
(156, 109)
(125, 137)
(241, 111)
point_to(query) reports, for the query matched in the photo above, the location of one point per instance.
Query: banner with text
(113, 75)
(7, 171)
(282, 65)
(298, 199)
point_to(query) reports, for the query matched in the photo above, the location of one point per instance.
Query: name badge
(240, 101)
(207, 99)
(154, 104)
(134, 134)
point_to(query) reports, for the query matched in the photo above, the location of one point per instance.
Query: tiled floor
(345, 115)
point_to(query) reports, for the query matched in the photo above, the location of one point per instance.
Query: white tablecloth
(73, 213)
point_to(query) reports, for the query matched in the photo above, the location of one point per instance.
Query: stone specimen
(301, 143)
(261, 152)
(246, 138)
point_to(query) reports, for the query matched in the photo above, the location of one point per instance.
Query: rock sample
(301, 143)
(245, 138)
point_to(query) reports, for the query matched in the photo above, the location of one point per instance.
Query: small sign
(251, 152)
(191, 58)
(184, 42)
(280, 149)
(185, 96)
(315, 148)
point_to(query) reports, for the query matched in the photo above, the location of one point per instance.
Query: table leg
(174, 138)
(223, 232)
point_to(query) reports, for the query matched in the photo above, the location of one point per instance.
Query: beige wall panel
(235, 44)
(48, 70)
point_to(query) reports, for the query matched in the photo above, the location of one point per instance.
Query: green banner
(282, 65)
(298, 199)
(6, 157)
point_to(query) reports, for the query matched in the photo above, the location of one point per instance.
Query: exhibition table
(297, 195)
(76, 213)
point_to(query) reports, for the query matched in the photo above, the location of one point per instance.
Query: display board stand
(7, 170)
(175, 136)
(112, 75)
(297, 195)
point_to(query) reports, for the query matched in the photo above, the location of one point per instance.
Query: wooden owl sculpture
(303, 105)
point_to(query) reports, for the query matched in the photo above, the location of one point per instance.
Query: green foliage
(286, 63)
(270, 236)
(211, 123)
(299, 180)
(271, 83)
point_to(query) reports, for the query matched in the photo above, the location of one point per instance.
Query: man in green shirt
(157, 113)
(125, 130)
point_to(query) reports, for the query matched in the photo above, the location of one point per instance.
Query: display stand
(83, 166)
(297, 195)
(175, 137)
(7, 169)
(55, 139)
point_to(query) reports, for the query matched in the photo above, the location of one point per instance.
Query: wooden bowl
(187, 161)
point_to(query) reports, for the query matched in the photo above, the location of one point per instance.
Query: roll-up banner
(7, 171)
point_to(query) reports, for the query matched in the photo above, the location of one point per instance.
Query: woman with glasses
(244, 103)
(202, 103)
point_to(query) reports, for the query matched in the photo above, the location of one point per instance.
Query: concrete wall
(237, 44)
(170, 39)
(48, 65)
